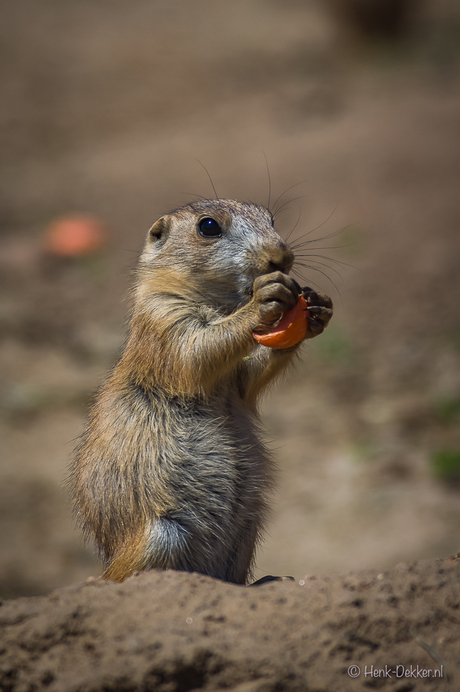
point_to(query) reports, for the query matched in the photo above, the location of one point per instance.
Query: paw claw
(320, 311)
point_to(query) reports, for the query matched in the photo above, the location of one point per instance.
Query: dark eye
(209, 228)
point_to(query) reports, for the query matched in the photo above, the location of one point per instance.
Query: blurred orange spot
(75, 236)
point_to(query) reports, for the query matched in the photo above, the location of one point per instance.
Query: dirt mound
(173, 632)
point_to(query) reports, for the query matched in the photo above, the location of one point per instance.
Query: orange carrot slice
(75, 236)
(290, 330)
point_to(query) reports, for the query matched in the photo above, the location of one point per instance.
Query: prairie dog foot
(273, 294)
(320, 310)
(268, 578)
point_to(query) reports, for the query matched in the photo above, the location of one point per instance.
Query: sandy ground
(175, 632)
(106, 109)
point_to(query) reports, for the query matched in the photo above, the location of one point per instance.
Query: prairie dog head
(212, 250)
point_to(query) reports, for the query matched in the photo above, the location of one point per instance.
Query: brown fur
(171, 472)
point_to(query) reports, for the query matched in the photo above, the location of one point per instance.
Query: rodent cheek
(150, 253)
(256, 264)
(225, 272)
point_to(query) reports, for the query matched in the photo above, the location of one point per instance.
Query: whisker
(295, 226)
(210, 179)
(321, 264)
(321, 225)
(193, 194)
(269, 180)
(329, 259)
(302, 246)
(324, 237)
(132, 252)
(302, 278)
(302, 182)
(320, 271)
(283, 206)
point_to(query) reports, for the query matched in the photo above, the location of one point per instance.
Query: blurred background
(106, 111)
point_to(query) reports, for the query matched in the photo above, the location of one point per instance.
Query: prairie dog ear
(159, 229)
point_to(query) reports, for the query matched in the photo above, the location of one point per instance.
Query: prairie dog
(171, 472)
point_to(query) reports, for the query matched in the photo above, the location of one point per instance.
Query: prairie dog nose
(281, 258)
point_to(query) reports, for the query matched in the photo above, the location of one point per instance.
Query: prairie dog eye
(209, 228)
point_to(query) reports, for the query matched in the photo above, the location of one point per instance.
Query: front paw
(273, 294)
(320, 311)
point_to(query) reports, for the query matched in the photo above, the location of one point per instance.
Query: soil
(174, 632)
(113, 111)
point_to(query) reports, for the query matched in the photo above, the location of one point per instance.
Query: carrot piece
(75, 236)
(290, 330)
